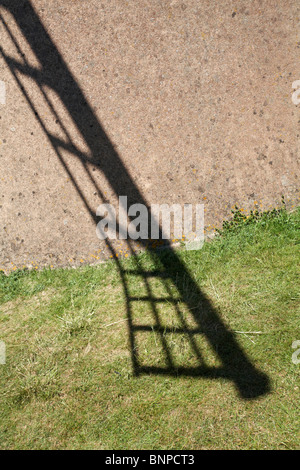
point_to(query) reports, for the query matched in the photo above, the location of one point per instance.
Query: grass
(68, 382)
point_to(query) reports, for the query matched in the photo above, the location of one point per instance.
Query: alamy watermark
(140, 222)
(2, 92)
(296, 94)
(2, 353)
(295, 358)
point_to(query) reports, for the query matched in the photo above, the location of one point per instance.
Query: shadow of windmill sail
(171, 322)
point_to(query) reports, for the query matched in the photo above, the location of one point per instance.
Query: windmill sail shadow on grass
(166, 284)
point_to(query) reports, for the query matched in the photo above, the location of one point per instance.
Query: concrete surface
(195, 98)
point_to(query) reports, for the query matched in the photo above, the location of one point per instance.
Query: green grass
(68, 381)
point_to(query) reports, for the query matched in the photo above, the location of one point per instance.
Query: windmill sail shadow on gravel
(168, 270)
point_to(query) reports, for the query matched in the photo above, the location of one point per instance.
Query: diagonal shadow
(168, 269)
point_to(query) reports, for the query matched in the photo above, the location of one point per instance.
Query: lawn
(80, 375)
